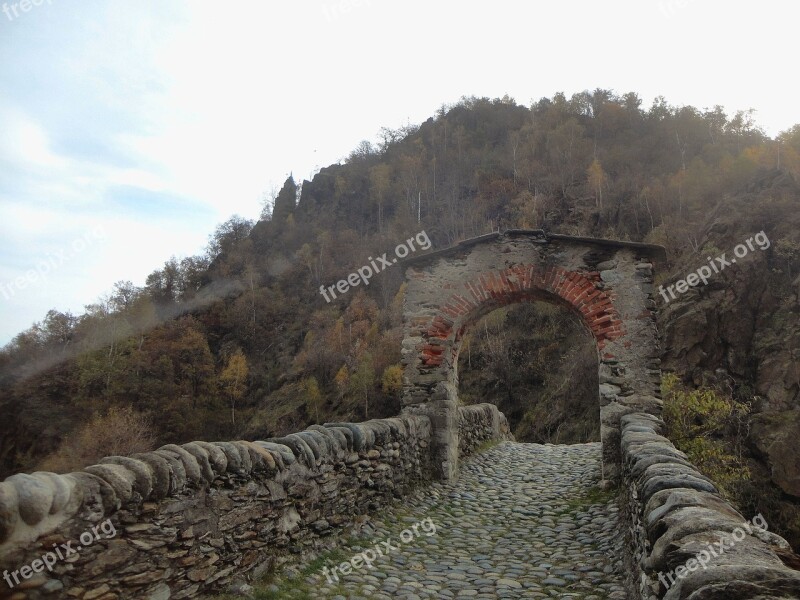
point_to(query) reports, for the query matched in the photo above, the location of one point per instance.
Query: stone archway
(608, 283)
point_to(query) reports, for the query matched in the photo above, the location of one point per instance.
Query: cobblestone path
(522, 521)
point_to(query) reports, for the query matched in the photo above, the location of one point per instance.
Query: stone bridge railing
(191, 519)
(686, 541)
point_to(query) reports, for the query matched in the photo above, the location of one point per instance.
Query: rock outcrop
(742, 331)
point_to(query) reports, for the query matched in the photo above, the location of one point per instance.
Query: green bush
(697, 423)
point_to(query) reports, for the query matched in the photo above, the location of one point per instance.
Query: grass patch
(274, 587)
(448, 509)
(595, 495)
(484, 446)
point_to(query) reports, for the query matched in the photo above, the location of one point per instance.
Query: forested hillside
(239, 342)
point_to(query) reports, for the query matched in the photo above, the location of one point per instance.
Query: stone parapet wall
(479, 424)
(676, 514)
(194, 518)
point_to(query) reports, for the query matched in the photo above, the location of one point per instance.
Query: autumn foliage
(238, 342)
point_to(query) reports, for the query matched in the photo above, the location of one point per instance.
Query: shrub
(119, 432)
(696, 422)
(392, 380)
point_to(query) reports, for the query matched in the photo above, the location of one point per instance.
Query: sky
(130, 130)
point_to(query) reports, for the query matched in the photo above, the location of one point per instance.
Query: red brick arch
(523, 283)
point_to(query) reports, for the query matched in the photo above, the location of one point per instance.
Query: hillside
(240, 343)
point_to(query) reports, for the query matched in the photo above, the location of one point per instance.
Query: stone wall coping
(201, 517)
(653, 251)
(32, 505)
(680, 512)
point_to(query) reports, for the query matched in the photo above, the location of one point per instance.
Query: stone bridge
(193, 520)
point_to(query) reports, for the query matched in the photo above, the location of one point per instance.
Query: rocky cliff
(741, 331)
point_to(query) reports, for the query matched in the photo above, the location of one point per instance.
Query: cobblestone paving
(522, 521)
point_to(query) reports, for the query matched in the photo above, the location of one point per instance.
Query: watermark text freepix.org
(60, 552)
(370, 555)
(715, 265)
(718, 548)
(367, 271)
(670, 7)
(336, 9)
(22, 6)
(51, 262)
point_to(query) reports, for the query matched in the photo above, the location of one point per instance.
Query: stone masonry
(607, 283)
(195, 518)
(674, 514)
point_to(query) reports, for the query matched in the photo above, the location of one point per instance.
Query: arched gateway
(608, 283)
